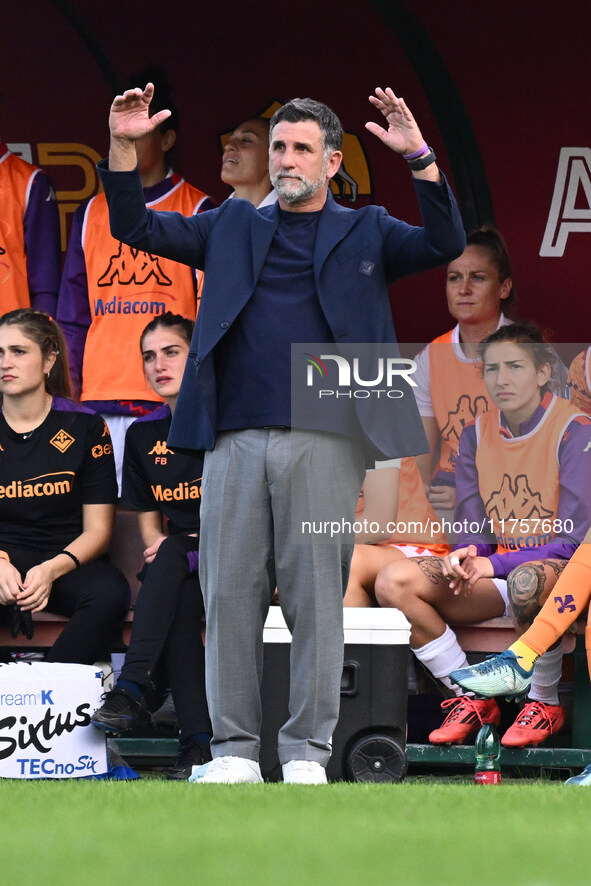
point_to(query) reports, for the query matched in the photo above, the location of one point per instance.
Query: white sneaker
(227, 770)
(303, 772)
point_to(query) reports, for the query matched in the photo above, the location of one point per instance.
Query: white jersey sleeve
(422, 377)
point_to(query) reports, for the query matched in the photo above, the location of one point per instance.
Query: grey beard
(303, 191)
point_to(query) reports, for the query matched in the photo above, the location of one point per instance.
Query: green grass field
(422, 831)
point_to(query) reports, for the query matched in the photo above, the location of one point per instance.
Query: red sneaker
(466, 716)
(536, 722)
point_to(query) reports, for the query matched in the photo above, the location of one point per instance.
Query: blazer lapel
(335, 223)
(263, 227)
(236, 278)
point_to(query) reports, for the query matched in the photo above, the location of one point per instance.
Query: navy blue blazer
(358, 253)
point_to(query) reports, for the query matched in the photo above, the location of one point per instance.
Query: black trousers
(94, 597)
(167, 632)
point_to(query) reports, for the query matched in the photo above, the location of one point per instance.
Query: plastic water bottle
(488, 750)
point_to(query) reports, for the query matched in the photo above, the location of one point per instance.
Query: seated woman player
(523, 475)
(164, 486)
(397, 521)
(450, 390)
(58, 491)
(510, 673)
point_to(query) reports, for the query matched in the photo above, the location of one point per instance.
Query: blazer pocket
(360, 251)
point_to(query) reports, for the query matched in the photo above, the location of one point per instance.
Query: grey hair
(307, 109)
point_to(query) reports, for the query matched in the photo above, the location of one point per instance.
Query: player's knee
(108, 593)
(393, 585)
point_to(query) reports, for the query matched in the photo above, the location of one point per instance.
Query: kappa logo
(131, 265)
(160, 448)
(62, 440)
(464, 413)
(516, 500)
(565, 604)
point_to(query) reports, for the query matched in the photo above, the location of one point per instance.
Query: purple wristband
(424, 147)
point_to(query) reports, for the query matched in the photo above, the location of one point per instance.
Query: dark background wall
(499, 90)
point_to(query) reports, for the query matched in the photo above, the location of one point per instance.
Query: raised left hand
(403, 134)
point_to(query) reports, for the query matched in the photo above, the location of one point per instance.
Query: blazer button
(197, 361)
(224, 324)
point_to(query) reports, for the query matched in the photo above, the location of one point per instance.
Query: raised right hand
(129, 118)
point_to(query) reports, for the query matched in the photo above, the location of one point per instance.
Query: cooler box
(45, 730)
(370, 739)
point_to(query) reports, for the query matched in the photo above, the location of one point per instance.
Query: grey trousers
(257, 487)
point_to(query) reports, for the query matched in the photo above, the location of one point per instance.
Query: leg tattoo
(528, 587)
(557, 566)
(431, 567)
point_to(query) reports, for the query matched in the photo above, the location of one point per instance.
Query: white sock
(546, 677)
(443, 655)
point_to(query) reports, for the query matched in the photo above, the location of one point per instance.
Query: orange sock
(569, 598)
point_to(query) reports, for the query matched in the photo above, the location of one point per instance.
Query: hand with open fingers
(403, 134)
(129, 118)
(10, 582)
